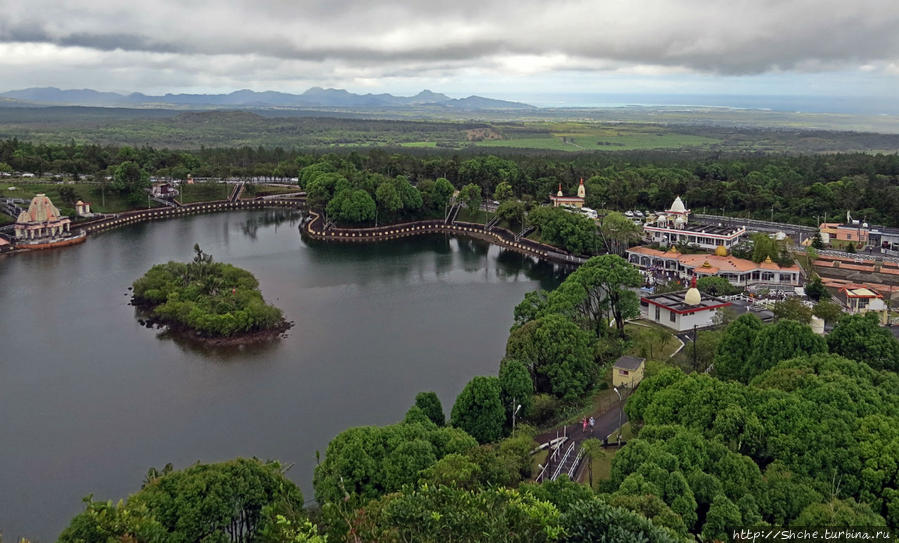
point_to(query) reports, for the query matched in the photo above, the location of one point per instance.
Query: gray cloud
(348, 38)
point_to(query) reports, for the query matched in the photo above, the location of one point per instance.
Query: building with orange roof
(738, 271)
(860, 299)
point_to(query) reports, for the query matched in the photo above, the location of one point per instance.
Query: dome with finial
(677, 206)
(721, 250)
(692, 297)
(581, 191)
(560, 190)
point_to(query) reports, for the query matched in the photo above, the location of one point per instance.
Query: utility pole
(695, 368)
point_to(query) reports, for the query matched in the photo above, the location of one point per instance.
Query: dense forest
(799, 189)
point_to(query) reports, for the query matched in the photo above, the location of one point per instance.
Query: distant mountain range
(315, 97)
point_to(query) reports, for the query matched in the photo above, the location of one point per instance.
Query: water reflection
(270, 217)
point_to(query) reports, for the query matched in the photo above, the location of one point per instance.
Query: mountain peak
(314, 97)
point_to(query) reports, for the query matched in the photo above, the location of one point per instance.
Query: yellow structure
(574, 201)
(628, 371)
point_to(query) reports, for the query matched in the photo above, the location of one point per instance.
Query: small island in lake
(211, 301)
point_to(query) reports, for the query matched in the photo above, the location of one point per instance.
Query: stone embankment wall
(498, 236)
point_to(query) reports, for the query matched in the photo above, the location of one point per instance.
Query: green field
(590, 130)
(204, 192)
(108, 201)
(598, 137)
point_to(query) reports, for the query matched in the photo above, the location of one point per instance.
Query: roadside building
(627, 372)
(673, 227)
(672, 264)
(682, 311)
(841, 235)
(859, 299)
(575, 201)
(5, 245)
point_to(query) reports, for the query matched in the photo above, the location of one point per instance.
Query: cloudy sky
(498, 48)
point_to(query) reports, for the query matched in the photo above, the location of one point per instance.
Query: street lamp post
(619, 415)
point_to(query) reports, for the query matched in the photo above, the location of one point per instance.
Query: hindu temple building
(672, 264)
(673, 227)
(576, 201)
(682, 311)
(43, 226)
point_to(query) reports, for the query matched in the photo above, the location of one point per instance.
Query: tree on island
(209, 298)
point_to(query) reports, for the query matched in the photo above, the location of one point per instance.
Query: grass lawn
(465, 215)
(204, 192)
(265, 190)
(602, 466)
(652, 341)
(6, 219)
(110, 202)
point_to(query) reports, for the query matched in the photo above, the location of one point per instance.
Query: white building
(673, 227)
(682, 311)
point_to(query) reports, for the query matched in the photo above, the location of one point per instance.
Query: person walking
(584, 422)
(592, 424)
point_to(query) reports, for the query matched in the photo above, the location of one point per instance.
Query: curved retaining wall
(131, 217)
(498, 236)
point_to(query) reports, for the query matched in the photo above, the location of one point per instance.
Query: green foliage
(479, 410)
(503, 192)
(602, 286)
(783, 340)
(210, 298)
(471, 196)
(558, 354)
(838, 513)
(352, 206)
(830, 311)
(431, 514)
(793, 309)
(735, 349)
(370, 461)
(861, 338)
(516, 387)
(816, 290)
(591, 521)
(715, 285)
(848, 410)
(129, 178)
(430, 404)
(513, 212)
(723, 514)
(619, 232)
(570, 231)
(229, 501)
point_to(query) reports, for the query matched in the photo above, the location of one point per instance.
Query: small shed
(628, 371)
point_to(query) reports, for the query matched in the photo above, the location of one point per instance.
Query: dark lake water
(89, 398)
